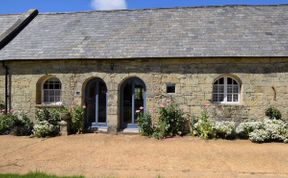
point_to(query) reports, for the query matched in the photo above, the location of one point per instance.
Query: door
(133, 101)
(96, 103)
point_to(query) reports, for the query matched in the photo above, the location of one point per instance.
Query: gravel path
(97, 155)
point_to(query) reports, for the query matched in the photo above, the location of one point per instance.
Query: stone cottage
(233, 59)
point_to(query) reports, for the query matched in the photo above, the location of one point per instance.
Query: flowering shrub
(273, 130)
(47, 122)
(204, 126)
(207, 128)
(15, 123)
(45, 129)
(259, 136)
(245, 128)
(224, 129)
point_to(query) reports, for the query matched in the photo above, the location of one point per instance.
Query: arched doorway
(133, 100)
(96, 104)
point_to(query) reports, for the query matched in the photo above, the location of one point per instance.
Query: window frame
(225, 99)
(43, 91)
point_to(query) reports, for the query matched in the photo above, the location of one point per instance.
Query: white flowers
(271, 130)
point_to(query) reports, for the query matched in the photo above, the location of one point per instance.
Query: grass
(36, 175)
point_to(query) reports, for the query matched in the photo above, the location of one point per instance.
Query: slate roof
(6, 21)
(223, 31)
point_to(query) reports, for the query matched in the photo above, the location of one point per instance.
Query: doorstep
(130, 131)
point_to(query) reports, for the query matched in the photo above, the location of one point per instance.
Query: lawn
(36, 175)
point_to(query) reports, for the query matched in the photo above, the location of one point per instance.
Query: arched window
(51, 91)
(226, 90)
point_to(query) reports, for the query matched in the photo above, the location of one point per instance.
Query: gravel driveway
(97, 155)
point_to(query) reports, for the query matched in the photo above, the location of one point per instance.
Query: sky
(44, 6)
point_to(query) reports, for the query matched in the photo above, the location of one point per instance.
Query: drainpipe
(6, 86)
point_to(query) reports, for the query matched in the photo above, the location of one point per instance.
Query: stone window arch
(226, 90)
(48, 90)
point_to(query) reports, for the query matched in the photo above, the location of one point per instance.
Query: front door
(133, 101)
(96, 104)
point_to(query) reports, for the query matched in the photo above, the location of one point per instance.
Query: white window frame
(43, 90)
(225, 91)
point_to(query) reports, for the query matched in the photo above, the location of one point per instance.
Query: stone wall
(263, 83)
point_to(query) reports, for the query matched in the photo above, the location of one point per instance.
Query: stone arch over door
(95, 102)
(132, 101)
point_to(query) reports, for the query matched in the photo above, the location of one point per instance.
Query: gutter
(6, 86)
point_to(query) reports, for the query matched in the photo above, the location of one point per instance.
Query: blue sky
(20, 6)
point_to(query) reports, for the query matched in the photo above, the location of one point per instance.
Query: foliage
(204, 126)
(35, 175)
(171, 122)
(7, 123)
(22, 125)
(144, 121)
(224, 129)
(47, 122)
(245, 128)
(77, 119)
(16, 124)
(273, 113)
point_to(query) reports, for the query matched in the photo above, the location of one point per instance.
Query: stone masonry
(263, 83)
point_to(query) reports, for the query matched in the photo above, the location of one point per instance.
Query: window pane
(221, 97)
(235, 98)
(57, 86)
(229, 97)
(45, 96)
(215, 97)
(221, 81)
(229, 80)
(215, 89)
(235, 89)
(57, 99)
(221, 89)
(57, 92)
(234, 82)
(229, 89)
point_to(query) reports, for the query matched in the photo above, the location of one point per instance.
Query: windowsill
(52, 105)
(227, 104)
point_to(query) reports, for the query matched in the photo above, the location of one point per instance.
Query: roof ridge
(164, 8)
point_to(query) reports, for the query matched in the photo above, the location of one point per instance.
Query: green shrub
(12, 123)
(273, 113)
(47, 122)
(7, 123)
(144, 122)
(204, 126)
(22, 125)
(77, 120)
(171, 121)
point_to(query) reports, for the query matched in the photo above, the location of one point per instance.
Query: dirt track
(97, 155)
